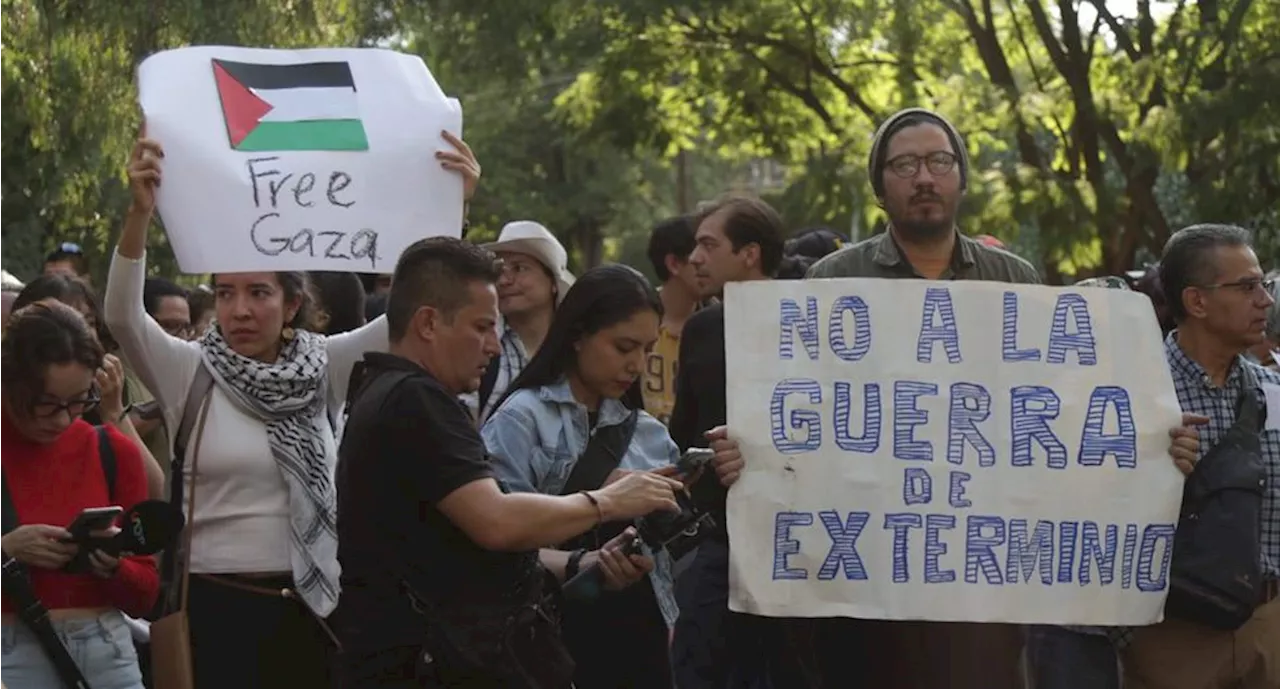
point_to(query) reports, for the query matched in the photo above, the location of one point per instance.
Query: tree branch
(1123, 40)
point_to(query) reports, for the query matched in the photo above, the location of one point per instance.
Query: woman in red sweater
(51, 372)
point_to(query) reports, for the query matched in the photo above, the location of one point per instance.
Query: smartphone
(94, 519)
(693, 459)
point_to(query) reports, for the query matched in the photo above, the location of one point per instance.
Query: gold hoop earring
(287, 334)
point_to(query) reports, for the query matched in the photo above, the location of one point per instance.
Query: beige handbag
(171, 666)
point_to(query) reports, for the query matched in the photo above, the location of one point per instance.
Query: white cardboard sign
(299, 159)
(960, 451)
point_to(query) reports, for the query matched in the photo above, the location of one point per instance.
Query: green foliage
(70, 106)
(1093, 136)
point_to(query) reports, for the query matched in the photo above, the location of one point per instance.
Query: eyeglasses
(1245, 286)
(176, 328)
(74, 408)
(70, 248)
(907, 165)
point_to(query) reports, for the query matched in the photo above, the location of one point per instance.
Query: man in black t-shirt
(418, 503)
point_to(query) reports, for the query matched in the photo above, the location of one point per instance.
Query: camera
(683, 531)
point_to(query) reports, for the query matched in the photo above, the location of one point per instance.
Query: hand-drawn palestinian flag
(304, 107)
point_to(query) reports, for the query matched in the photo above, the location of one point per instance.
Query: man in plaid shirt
(1219, 298)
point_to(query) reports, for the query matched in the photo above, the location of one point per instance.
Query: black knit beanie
(891, 126)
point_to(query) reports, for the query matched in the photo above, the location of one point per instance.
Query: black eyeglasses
(907, 165)
(76, 407)
(1245, 286)
(176, 328)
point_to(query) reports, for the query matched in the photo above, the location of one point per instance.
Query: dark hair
(814, 243)
(71, 291)
(200, 301)
(749, 220)
(295, 285)
(375, 305)
(671, 237)
(341, 300)
(70, 252)
(602, 297)
(436, 272)
(40, 335)
(1149, 284)
(794, 267)
(155, 289)
(1187, 261)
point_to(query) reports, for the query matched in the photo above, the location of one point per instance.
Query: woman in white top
(264, 547)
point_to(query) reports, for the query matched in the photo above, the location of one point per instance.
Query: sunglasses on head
(70, 248)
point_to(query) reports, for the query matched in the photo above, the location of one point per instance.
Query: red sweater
(51, 484)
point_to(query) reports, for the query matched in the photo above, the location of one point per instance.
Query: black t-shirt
(700, 399)
(409, 443)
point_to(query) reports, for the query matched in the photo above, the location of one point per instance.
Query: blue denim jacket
(537, 435)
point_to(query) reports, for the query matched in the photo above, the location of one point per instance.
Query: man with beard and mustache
(919, 169)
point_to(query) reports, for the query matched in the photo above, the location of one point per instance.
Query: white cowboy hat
(9, 282)
(532, 239)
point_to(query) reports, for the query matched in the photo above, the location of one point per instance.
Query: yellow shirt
(659, 380)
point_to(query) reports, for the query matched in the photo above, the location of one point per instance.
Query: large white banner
(959, 451)
(299, 159)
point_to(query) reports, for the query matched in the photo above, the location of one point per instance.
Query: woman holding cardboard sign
(252, 399)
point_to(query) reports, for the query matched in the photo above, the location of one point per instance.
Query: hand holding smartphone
(93, 519)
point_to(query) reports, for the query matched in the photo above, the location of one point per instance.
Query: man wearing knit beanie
(919, 170)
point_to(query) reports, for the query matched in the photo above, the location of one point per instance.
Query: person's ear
(426, 322)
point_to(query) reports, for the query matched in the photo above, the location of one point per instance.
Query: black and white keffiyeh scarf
(289, 396)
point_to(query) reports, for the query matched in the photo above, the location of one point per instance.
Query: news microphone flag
(299, 107)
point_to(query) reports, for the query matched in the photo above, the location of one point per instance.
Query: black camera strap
(603, 454)
(17, 581)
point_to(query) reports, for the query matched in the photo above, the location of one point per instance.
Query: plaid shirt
(511, 362)
(1198, 395)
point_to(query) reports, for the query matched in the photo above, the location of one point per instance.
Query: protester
(200, 304)
(68, 259)
(77, 294)
(341, 300)
(263, 548)
(166, 303)
(670, 244)
(535, 277)
(580, 388)
(1219, 299)
(441, 531)
(919, 170)
(806, 248)
(738, 239)
(56, 465)
(73, 292)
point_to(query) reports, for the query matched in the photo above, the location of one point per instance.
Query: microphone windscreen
(149, 527)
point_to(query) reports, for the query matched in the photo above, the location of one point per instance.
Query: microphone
(146, 528)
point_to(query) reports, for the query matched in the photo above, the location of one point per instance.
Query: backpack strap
(487, 383)
(201, 385)
(16, 583)
(603, 454)
(107, 455)
(1251, 412)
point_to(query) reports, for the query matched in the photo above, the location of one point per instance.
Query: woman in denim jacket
(585, 378)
